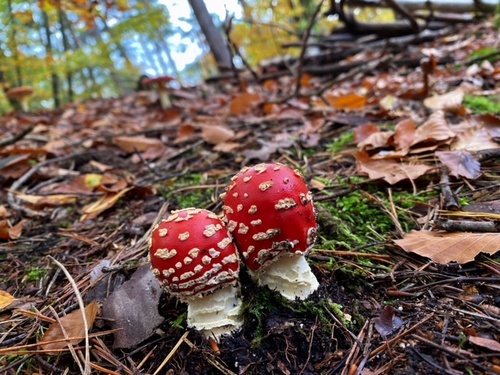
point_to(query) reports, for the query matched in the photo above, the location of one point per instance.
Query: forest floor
(406, 185)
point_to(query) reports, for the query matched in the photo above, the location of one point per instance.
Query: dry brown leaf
(6, 299)
(460, 163)
(215, 134)
(46, 200)
(137, 143)
(474, 139)
(404, 134)
(443, 247)
(364, 131)
(73, 325)
(375, 140)
(390, 170)
(8, 232)
(244, 103)
(490, 344)
(436, 128)
(451, 101)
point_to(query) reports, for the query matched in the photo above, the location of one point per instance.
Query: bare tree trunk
(66, 46)
(218, 46)
(13, 46)
(50, 61)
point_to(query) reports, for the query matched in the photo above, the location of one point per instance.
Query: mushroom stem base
(216, 314)
(290, 275)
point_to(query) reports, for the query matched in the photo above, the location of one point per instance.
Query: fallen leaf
(215, 134)
(483, 342)
(451, 101)
(443, 247)
(347, 102)
(68, 327)
(389, 170)
(460, 163)
(137, 143)
(244, 103)
(387, 322)
(404, 134)
(6, 299)
(375, 140)
(436, 128)
(135, 324)
(8, 232)
(46, 200)
(474, 139)
(92, 210)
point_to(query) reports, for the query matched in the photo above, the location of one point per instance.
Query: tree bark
(218, 46)
(50, 60)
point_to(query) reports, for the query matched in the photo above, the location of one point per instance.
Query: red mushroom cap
(192, 253)
(269, 209)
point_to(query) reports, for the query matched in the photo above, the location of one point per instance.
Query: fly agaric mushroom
(269, 210)
(194, 258)
(160, 85)
(20, 95)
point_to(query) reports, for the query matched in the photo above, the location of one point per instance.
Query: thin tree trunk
(50, 61)
(218, 46)
(67, 48)
(13, 45)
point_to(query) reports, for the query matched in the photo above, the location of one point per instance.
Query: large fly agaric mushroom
(193, 256)
(269, 210)
(20, 95)
(160, 85)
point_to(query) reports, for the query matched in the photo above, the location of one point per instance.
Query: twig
(467, 226)
(400, 336)
(17, 137)
(86, 369)
(453, 353)
(311, 338)
(19, 182)
(450, 201)
(172, 352)
(304, 47)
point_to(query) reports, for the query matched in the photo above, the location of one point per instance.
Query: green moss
(361, 220)
(180, 322)
(482, 105)
(181, 196)
(35, 274)
(341, 142)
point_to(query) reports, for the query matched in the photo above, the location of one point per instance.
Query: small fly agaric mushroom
(160, 84)
(20, 94)
(269, 210)
(193, 256)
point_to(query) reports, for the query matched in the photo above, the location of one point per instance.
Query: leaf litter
(87, 184)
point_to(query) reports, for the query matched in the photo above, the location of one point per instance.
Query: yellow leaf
(92, 180)
(92, 210)
(5, 300)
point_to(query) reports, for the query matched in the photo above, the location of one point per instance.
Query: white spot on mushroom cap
(243, 229)
(285, 204)
(162, 232)
(178, 265)
(211, 229)
(231, 225)
(194, 252)
(206, 260)
(187, 260)
(213, 253)
(247, 178)
(165, 253)
(253, 209)
(224, 243)
(239, 207)
(183, 236)
(266, 185)
(256, 222)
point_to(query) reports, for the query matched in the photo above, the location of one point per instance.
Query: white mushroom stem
(290, 275)
(217, 313)
(164, 97)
